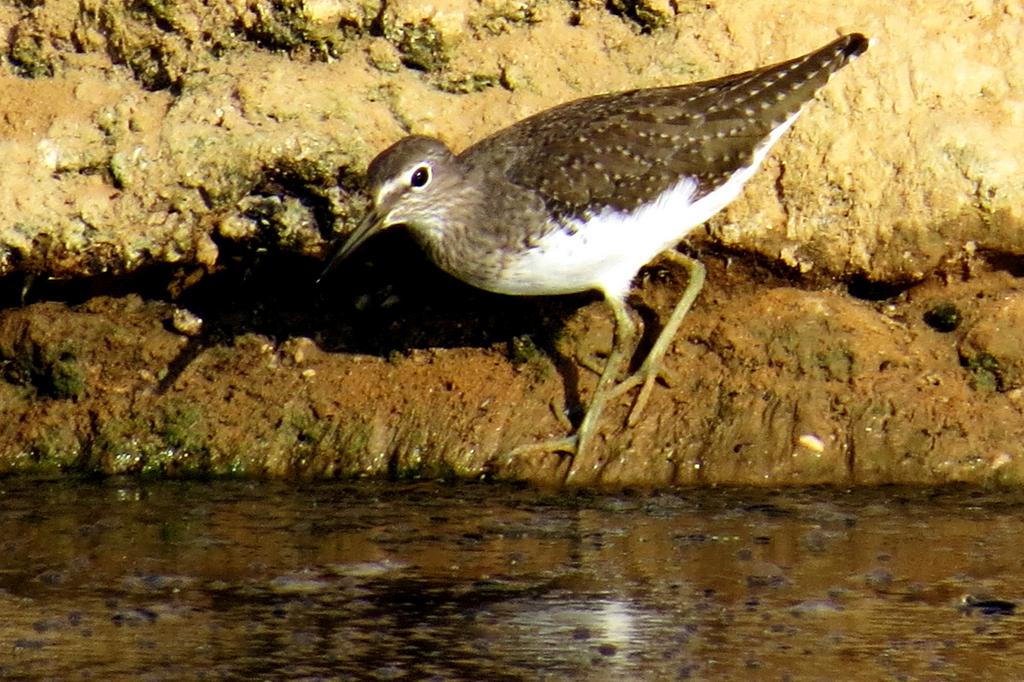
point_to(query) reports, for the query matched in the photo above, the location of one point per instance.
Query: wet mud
(772, 380)
(173, 175)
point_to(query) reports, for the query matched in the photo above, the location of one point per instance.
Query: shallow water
(171, 580)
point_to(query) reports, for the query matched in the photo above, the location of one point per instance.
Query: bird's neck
(444, 229)
(465, 230)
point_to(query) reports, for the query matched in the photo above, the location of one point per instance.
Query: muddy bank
(173, 175)
(773, 382)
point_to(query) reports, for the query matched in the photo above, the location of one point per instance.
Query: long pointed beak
(369, 225)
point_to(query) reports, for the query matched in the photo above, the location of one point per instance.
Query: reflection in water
(175, 580)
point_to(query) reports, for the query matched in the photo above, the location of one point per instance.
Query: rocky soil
(172, 176)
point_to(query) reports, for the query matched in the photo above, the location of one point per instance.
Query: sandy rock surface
(132, 137)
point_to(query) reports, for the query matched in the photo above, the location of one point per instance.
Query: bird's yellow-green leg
(651, 368)
(623, 345)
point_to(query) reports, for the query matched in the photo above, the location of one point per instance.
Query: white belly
(606, 252)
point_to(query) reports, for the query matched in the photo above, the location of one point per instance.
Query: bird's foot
(645, 378)
(566, 445)
(582, 469)
(595, 363)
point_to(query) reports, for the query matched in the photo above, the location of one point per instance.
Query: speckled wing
(623, 150)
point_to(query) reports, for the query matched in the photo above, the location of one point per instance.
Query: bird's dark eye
(420, 176)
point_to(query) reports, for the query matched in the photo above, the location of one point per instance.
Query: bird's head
(411, 183)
